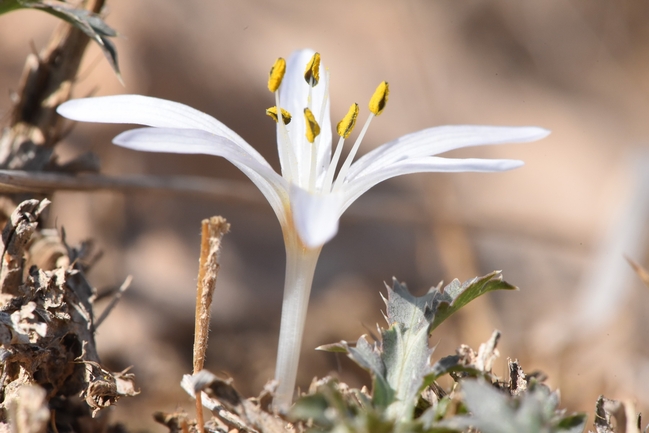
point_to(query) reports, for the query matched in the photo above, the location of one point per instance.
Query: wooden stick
(212, 232)
(18, 181)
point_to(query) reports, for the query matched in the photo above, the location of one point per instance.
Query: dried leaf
(229, 406)
(613, 416)
(105, 388)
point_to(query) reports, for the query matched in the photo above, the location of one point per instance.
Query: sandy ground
(556, 227)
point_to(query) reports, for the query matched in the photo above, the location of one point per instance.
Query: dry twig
(211, 234)
(118, 295)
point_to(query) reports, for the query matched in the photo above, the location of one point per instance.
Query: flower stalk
(300, 268)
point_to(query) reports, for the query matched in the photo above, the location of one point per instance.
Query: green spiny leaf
(451, 364)
(411, 311)
(535, 411)
(406, 355)
(368, 357)
(456, 295)
(312, 407)
(572, 424)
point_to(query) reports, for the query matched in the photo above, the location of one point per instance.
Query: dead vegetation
(47, 326)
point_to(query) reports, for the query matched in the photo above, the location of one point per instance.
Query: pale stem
(300, 267)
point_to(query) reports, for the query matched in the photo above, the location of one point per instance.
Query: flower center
(291, 158)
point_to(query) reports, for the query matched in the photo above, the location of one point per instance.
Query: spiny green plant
(405, 396)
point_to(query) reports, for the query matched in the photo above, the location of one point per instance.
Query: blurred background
(558, 228)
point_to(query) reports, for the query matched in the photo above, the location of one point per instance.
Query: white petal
(433, 141)
(358, 186)
(194, 141)
(315, 215)
(293, 96)
(148, 111)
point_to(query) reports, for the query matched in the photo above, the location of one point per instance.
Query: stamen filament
(352, 153)
(344, 128)
(314, 160)
(312, 132)
(287, 156)
(325, 99)
(320, 122)
(376, 105)
(331, 170)
(309, 100)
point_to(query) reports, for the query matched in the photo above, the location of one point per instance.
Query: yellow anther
(379, 98)
(312, 72)
(276, 74)
(286, 116)
(346, 126)
(312, 127)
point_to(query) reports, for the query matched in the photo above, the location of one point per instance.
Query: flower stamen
(312, 131)
(272, 112)
(344, 129)
(276, 74)
(312, 127)
(312, 72)
(377, 104)
(346, 126)
(287, 157)
(352, 153)
(379, 98)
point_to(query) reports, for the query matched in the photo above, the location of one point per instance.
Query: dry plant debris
(231, 410)
(47, 344)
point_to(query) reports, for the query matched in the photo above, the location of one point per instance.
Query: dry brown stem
(113, 302)
(46, 82)
(16, 181)
(212, 232)
(35, 127)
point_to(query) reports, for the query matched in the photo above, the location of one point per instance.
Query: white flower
(307, 197)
